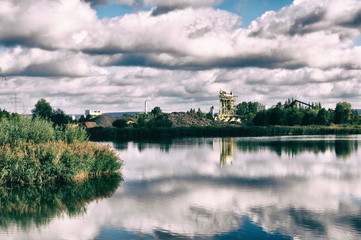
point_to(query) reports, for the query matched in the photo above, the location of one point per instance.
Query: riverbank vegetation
(33, 151)
(111, 134)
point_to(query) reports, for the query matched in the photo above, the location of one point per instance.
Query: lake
(290, 187)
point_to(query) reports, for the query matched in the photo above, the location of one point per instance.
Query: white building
(93, 113)
(261, 107)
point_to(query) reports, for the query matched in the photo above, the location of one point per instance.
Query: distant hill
(118, 114)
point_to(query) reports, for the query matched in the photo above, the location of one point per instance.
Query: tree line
(296, 114)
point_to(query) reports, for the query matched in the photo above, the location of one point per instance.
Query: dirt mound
(182, 119)
(179, 119)
(106, 120)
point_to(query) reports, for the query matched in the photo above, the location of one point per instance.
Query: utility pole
(15, 100)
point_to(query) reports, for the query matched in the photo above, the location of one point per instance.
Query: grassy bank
(33, 152)
(109, 134)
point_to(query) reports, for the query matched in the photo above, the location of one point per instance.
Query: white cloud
(169, 3)
(45, 24)
(308, 45)
(37, 62)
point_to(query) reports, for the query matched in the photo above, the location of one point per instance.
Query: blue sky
(112, 55)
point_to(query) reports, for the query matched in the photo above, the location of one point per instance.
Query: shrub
(120, 123)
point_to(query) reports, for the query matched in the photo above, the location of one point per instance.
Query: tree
(141, 121)
(309, 117)
(192, 111)
(200, 113)
(277, 115)
(343, 113)
(261, 118)
(59, 117)
(241, 109)
(293, 117)
(156, 111)
(42, 109)
(247, 111)
(355, 118)
(161, 121)
(120, 123)
(322, 117)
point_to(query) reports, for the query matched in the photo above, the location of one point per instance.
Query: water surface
(306, 187)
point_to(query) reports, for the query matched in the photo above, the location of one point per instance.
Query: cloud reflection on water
(298, 187)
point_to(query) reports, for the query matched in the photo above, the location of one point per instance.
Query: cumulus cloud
(44, 24)
(205, 38)
(94, 3)
(333, 16)
(308, 46)
(165, 6)
(41, 63)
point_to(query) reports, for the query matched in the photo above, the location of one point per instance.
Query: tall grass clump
(33, 152)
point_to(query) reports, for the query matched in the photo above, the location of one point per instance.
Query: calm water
(305, 187)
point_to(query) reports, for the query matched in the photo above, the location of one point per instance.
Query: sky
(112, 55)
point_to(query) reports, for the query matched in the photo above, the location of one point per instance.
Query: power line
(16, 101)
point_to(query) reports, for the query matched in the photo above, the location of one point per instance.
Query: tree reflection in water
(37, 205)
(342, 148)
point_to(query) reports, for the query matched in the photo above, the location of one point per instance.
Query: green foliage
(56, 161)
(120, 123)
(38, 130)
(309, 117)
(295, 115)
(247, 111)
(200, 113)
(13, 131)
(126, 134)
(156, 111)
(160, 122)
(261, 118)
(192, 111)
(323, 117)
(71, 134)
(141, 121)
(210, 116)
(343, 113)
(33, 152)
(277, 115)
(45, 111)
(59, 117)
(42, 109)
(83, 119)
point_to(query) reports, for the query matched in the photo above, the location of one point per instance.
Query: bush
(161, 121)
(38, 130)
(120, 123)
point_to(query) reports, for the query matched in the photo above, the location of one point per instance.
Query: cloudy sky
(112, 55)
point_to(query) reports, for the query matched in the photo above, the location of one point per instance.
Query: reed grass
(33, 152)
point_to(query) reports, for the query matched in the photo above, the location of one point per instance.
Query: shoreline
(121, 134)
